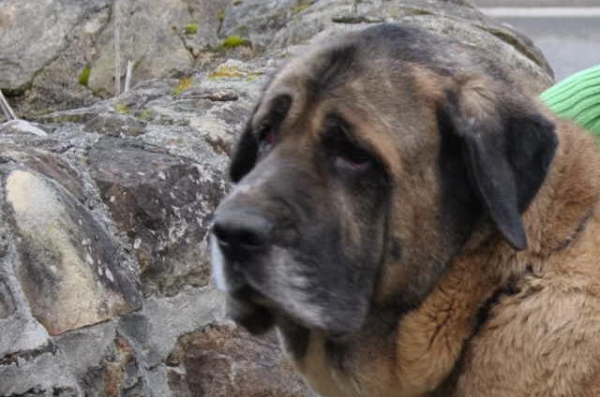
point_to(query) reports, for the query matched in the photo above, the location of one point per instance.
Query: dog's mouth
(252, 310)
(258, 314)
(268, 289)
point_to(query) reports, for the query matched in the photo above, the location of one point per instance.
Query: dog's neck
(569, 196)
(489, 268)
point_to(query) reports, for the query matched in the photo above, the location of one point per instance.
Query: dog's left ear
(245, 155)
(507, 147)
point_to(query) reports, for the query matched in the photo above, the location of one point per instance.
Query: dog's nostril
(241, 231)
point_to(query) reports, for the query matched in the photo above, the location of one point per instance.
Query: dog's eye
(345, 153)
(266, 138)
(267, 131)
(353, 157)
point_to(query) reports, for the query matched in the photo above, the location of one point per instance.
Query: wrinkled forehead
(384, 95)
(313, 74)
(348, 73)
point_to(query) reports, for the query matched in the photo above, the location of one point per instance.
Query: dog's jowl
(414, 223)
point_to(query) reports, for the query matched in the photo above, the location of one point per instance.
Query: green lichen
(226, 72)
(237, 2)
(66, 118)
(147, 115)
(233, 42)
(122, 108)
(221, 16)
(84, 76)
(232, 72)
(190, 29)
(183, 85)
(302, 5)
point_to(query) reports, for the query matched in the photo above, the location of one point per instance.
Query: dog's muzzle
(240, 238)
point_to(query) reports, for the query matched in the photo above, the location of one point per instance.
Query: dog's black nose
(241, 232)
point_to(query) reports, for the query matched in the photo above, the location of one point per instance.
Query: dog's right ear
(245, 155)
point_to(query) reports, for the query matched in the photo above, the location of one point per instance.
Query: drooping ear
(507, 147)
(245, 155)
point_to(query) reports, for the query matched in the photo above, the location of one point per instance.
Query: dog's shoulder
(539, 340)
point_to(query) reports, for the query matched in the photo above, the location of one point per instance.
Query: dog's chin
(258, 316)
(255, 318)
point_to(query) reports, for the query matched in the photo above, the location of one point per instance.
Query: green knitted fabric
(578, 98)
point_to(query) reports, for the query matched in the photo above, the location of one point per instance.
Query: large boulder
(104, 277)
(68, 267)
(59, 54)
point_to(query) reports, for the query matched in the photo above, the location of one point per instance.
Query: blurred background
(567, 32)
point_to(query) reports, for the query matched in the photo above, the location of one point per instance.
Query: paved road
(570, 38)
(537, 3)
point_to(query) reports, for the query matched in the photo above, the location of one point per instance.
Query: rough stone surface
(22, 126)
(50, 45)
(69, 268)
(164, 205)
(7, 302)
(106, 203)
(222, 361)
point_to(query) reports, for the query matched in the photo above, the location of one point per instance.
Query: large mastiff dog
(414, 223)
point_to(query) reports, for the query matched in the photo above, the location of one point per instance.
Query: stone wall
(104, 268)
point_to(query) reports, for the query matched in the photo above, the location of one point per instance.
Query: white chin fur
(217, 264)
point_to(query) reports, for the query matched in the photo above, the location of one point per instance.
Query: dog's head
(368, 164)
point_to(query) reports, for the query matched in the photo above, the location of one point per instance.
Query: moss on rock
(84, 76)
(183, 85)
(190, 29)
(122, 108)
(234, 41)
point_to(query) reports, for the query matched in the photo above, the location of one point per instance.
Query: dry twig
(9, 114)
(117, 14)
(128, 75)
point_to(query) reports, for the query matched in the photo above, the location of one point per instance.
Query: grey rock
(47, 164)
(37, 60)
(164, 204)
(21, 126)
(115, 125)
(34, 32)
(88, 348)
(21, 336)
(50, 45)
(223, 360)
(258, 20)
(103, 360)
(43, 375)
(7, 301)
(155, 329)
(69, 267)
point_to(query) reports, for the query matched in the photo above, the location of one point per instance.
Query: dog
(414, 222)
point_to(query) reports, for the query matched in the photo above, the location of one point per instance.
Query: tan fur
(551, 326)
(549, 331)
